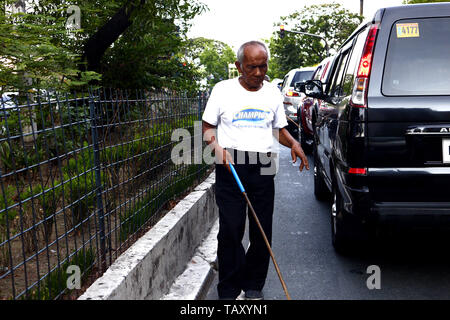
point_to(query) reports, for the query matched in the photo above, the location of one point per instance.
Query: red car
(308, 106)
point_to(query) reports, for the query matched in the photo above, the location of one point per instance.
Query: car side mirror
(299, 86)
(314, 89)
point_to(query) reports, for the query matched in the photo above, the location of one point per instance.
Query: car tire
(347, 233)
(321, 191)
(340, 231)
(307, 148)
(293, 130)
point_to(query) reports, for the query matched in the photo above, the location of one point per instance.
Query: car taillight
(359, 93)
(291, 93)
(324, 71)
(357, 170)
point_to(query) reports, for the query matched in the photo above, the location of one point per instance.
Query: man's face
(253, 67)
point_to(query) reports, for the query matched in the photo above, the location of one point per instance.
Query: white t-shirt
(245, 119)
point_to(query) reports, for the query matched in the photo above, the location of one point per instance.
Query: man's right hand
(221, 154)
(223, 157)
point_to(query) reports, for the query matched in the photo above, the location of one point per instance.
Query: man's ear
(238, 66)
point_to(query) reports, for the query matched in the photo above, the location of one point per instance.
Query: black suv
(382, 132)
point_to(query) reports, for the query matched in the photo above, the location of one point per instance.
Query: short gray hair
(240, 52)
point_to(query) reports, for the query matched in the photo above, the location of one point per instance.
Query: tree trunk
(100, 41)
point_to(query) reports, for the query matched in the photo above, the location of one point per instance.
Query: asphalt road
(412, 264)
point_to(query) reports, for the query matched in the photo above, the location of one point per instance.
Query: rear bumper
(422, 214)
(405, 205)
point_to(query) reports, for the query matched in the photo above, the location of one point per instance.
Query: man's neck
(247, 87)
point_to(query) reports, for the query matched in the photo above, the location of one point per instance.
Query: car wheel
(338, 238)
(346, 231)
(293, 130)
(307, 148)
(321, 191)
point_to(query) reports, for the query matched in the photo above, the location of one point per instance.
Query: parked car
(278, 82)
(7, 100)
(293, 98)
(382, 134)
(307, 110)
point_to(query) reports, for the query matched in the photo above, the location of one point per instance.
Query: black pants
(238, 269)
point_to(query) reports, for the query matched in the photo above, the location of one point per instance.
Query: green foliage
(149, 53)
(6, 200)
(81, 162)
(212, 58)
(12, 153)
(36, 45)
(14, 156)
(80, 184)
(139, 214)
(29, 50)
(135, 217)
(331, 21)
(67, 183)
(80, 192)
(6, 217)
(56, 281)
(51, 143)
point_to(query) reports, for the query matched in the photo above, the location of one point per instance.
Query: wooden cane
(293, 122)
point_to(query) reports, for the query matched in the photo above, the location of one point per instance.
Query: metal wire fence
(82, 175)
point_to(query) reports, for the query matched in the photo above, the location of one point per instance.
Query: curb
(195, 282)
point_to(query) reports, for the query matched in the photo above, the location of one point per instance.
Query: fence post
(199, 117)
(199, 105)
(98, 183)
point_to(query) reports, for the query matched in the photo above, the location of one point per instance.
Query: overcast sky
(237, 21)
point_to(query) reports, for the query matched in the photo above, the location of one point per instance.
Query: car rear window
(417, 60)
(301, 76)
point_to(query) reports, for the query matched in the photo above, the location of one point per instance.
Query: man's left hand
(297, 151)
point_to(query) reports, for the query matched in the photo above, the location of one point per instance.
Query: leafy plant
(158, 196)
(6, 200)
(7, 216)
(56, 281)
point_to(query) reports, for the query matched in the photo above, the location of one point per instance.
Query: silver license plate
(446, 150)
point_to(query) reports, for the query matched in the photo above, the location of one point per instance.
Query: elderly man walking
(240, 119)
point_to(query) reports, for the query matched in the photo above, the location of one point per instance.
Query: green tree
(131, 43)
(28, 51)
(331, 21)
(211, 57)
(150, 51)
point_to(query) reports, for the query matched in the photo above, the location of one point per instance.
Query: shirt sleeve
(279, 120)
(212, 109)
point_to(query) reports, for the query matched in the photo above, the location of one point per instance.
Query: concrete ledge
(195, 281)
(149, 267)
